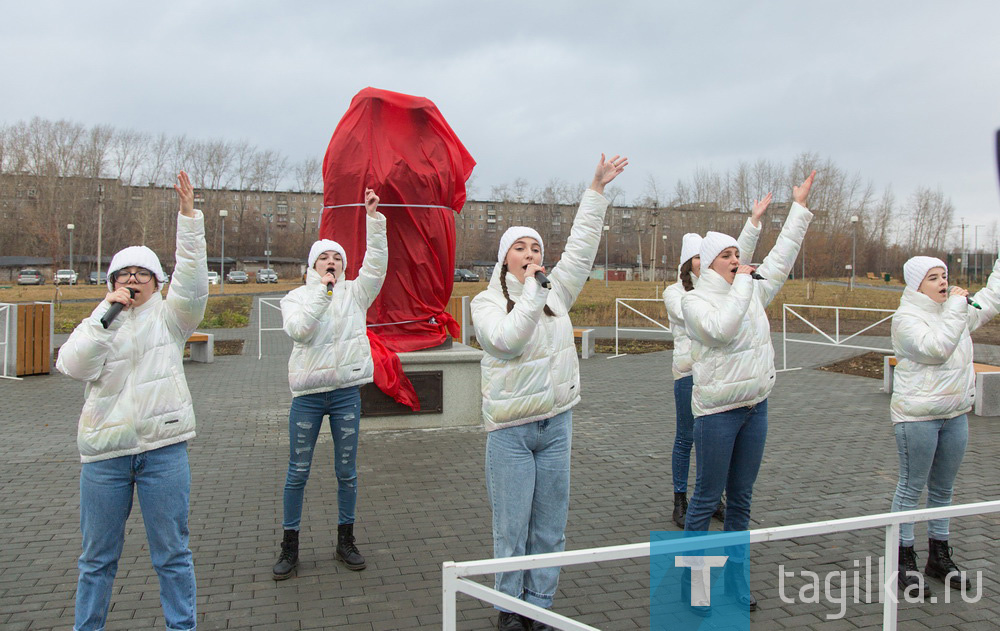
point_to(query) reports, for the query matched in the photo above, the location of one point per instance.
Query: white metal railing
(832, 341)
(623, 302)
(454, 575)
(274, 303)
(6, 313)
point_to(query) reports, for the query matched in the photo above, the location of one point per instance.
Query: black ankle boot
(289, 558)
(680, 508)
(940, 565)
(512, 622)
(736, 586)
(347, 552)
(908, 574)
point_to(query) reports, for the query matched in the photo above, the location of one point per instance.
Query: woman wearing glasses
(137, 419)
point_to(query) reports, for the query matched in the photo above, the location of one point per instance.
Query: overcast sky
(906, 93)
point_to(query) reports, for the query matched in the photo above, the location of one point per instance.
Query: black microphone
(116, 308)
(972, 302)
(756, 276)
(543, 280)
(329, 289)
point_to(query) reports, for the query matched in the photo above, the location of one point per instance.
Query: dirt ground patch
(867, 365)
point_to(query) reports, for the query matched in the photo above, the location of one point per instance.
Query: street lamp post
(70, 227)
(100, 225)
(854, 248)
(222, 260)
(978, 259)
(606, 236)
(267, 238)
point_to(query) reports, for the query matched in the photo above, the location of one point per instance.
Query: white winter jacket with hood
(137, 398)
(682, 363)
(730, 334)
(934, 378)
(530, 370)
(331, 349)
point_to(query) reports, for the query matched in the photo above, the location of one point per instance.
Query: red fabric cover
(389, 375)
(402, 147)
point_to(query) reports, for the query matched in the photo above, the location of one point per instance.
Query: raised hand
(607, 170)
(185, 193)
(800, 193)
(759, 206)
(744, 269)
(958, 291)
(371, 202)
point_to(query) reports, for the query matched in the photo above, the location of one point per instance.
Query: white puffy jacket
(331, 349)
(672, 295)
(137, 398)
(730, 334)
(530, 370)
(934, 378)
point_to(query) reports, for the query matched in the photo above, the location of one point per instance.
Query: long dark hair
(686, 275)
(510, 303)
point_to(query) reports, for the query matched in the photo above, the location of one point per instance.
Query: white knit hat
(712, 245)
(915, 270)
(326, 245)
(690, 247)
(513, 234)
(139, 256)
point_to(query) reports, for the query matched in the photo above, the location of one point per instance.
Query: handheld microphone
(116, 308)
(329, 289)
(756, 276)
(543, 280)
(972, 303)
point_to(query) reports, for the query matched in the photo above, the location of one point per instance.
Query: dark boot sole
(282, 577)
(356, 568)
(955, 581)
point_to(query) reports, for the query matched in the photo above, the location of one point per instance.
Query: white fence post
(8, 370)
(831, 341)
(623, 302)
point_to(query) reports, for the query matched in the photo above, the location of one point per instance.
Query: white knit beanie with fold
(915, 270)
(326, 245)
(139, 256)
(712, 245)
(513, 234)
(690, 247)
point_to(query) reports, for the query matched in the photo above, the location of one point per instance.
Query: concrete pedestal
(462, 398)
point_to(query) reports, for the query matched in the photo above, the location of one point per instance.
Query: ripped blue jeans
(304, 422)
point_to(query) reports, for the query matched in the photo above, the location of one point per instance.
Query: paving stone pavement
(830, 454)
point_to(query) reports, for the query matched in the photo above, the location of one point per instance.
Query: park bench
(872, 276)
(987, 401)
(587, 342)
(202, 347)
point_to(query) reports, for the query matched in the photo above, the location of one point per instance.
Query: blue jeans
(162, 479)
(729, 448)
(930, 453)
(684, 436)
(304, 422)
(527, 478)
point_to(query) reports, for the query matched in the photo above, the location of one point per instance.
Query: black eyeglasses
(142, 276)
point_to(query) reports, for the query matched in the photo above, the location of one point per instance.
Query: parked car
(65, 277)
(93, 280)
(464, 275)
(213, 278)
(30, 277)
(267, 276)
(237, 276)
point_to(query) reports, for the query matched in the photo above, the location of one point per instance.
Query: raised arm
(376, 261)
(718, 325)
(988, 298)
(747, 241)
(504, 334)
(778, 263)
(187, 296)
(918, 341)
(571, 272)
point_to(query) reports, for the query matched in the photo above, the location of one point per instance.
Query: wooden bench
(202, 347)
(987, 401)
(872, 276)
(587, 342)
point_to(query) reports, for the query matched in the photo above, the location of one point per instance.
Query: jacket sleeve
(187, 296)
(718, 325)
(376, 261)
(502, 334)
(778, 263)
(915, 339)
(672, 300)
(571, 272)
(988, 298)
(747, 242)
(82, 356)
(302, 310)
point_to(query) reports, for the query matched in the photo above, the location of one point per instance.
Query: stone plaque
(429, 385)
